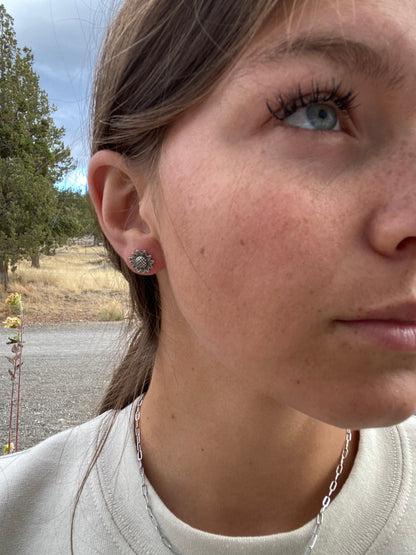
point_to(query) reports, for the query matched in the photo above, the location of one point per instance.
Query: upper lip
(403, 312)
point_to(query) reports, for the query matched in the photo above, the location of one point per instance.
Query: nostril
(406, 243)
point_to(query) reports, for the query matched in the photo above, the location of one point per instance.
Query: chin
(377, 402)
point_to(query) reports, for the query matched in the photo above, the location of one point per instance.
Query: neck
(236, 464)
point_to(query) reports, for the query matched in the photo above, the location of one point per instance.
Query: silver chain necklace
(165, 540)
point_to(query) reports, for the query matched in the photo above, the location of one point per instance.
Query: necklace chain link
(145, 491)
(327, 499)
(165, 540)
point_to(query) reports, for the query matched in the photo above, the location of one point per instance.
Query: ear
(118, 193)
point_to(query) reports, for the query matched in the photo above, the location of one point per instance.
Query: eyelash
(341, 99)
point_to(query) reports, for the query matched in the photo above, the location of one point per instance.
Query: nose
(392, 226)
(392, 230)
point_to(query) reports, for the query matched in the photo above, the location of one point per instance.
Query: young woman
(254, 173)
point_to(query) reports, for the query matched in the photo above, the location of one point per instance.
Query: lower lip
(392, 334)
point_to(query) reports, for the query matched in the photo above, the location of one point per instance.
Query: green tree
(68, 222)
(33, 156)
(26, 203)
(88, 218)
(73, 217)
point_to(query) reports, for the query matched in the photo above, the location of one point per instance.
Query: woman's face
(287, 215)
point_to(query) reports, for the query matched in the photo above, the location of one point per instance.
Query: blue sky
(64, 36)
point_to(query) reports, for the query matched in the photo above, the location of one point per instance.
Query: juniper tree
(33, 157)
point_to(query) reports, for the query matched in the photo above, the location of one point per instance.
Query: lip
(403, 312)
(392, 327)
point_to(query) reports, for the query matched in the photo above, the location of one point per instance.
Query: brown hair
(159, 58)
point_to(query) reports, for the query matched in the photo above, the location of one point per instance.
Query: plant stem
(11, 412)
(19, 368)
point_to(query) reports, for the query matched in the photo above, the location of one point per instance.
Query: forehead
(374, 37)
(303, 15)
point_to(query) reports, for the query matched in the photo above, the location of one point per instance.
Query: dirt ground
(66, 369)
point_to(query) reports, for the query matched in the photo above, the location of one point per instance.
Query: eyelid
(335, 93)
(344, 100)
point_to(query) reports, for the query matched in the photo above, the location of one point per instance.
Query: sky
(64, 36)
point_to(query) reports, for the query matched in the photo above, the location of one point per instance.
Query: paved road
(66, 369)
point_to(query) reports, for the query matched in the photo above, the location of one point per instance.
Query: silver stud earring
(141, 262)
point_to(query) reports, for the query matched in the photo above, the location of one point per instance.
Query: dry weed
(77, 284)
(112, 312)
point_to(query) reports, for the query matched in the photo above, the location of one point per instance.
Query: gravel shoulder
(66, 369)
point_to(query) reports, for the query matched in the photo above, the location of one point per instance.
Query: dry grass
(77, 284)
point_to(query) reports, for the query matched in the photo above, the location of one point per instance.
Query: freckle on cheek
(242, 242)
(202, 251)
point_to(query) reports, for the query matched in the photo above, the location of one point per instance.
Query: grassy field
(76, 285)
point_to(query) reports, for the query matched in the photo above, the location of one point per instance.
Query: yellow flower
(12, 322)
(14, 300)
(6, 448)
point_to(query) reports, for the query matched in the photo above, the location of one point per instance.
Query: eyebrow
(356, 56)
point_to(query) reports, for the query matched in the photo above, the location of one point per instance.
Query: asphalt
(65, 371)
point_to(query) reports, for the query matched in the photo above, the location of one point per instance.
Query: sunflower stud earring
(141, 262)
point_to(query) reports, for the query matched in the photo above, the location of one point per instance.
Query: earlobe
(115, 192)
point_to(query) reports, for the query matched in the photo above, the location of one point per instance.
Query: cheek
(242, 244)
(252, 242)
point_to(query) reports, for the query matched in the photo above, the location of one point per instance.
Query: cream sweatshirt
(373, 513)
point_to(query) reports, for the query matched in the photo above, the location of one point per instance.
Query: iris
(322, 117)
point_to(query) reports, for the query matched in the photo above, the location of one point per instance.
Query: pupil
(323, 114)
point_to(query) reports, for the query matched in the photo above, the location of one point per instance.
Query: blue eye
(319, 116)
(319, 110)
